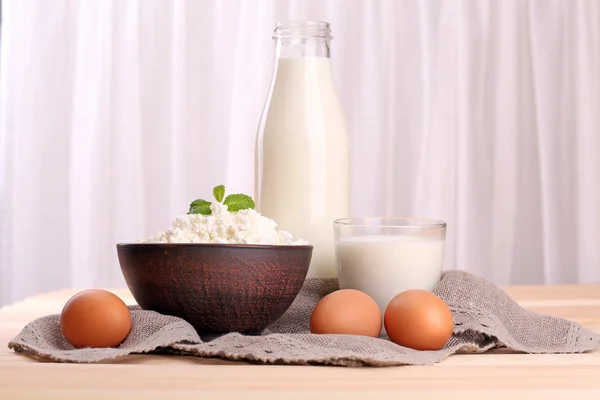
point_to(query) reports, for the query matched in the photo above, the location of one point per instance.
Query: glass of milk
(385, 256)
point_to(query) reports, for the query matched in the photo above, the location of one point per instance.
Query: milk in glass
(385, 265)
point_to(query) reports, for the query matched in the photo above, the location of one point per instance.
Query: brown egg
(95, 318)
(418, 319)
(346, 312)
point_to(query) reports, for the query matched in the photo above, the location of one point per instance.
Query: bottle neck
(302, 39)
(295, 48)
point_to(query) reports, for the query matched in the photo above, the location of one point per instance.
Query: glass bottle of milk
(302, 150)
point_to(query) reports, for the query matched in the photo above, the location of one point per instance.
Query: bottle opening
(302, 29)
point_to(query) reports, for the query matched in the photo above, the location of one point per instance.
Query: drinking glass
(385, 256)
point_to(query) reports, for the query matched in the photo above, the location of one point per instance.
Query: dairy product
(240, 227)
(303, 166)
(384, 265)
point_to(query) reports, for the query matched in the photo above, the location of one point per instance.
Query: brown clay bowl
(217, 288)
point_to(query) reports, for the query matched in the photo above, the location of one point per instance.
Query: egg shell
(346, 312)
(95, 318)
(418, 319)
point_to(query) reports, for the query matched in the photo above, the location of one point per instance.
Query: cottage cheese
(241, 227)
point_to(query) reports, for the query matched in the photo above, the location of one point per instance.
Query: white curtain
(115, 114)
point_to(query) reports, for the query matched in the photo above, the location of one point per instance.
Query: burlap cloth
(484, 316)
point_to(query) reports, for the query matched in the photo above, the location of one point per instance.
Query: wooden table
(498, 374)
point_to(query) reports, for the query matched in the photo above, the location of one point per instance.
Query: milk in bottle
(302, 150)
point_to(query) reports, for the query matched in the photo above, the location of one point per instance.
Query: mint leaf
(237, 202)
(219, 193)
(200, 207)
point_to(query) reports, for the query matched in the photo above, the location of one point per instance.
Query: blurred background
(115, 114)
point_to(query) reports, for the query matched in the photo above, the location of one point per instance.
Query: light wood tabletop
(496, 374)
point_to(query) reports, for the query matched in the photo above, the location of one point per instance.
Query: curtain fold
(114, 115)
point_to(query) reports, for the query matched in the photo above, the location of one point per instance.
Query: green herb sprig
(234, 202)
